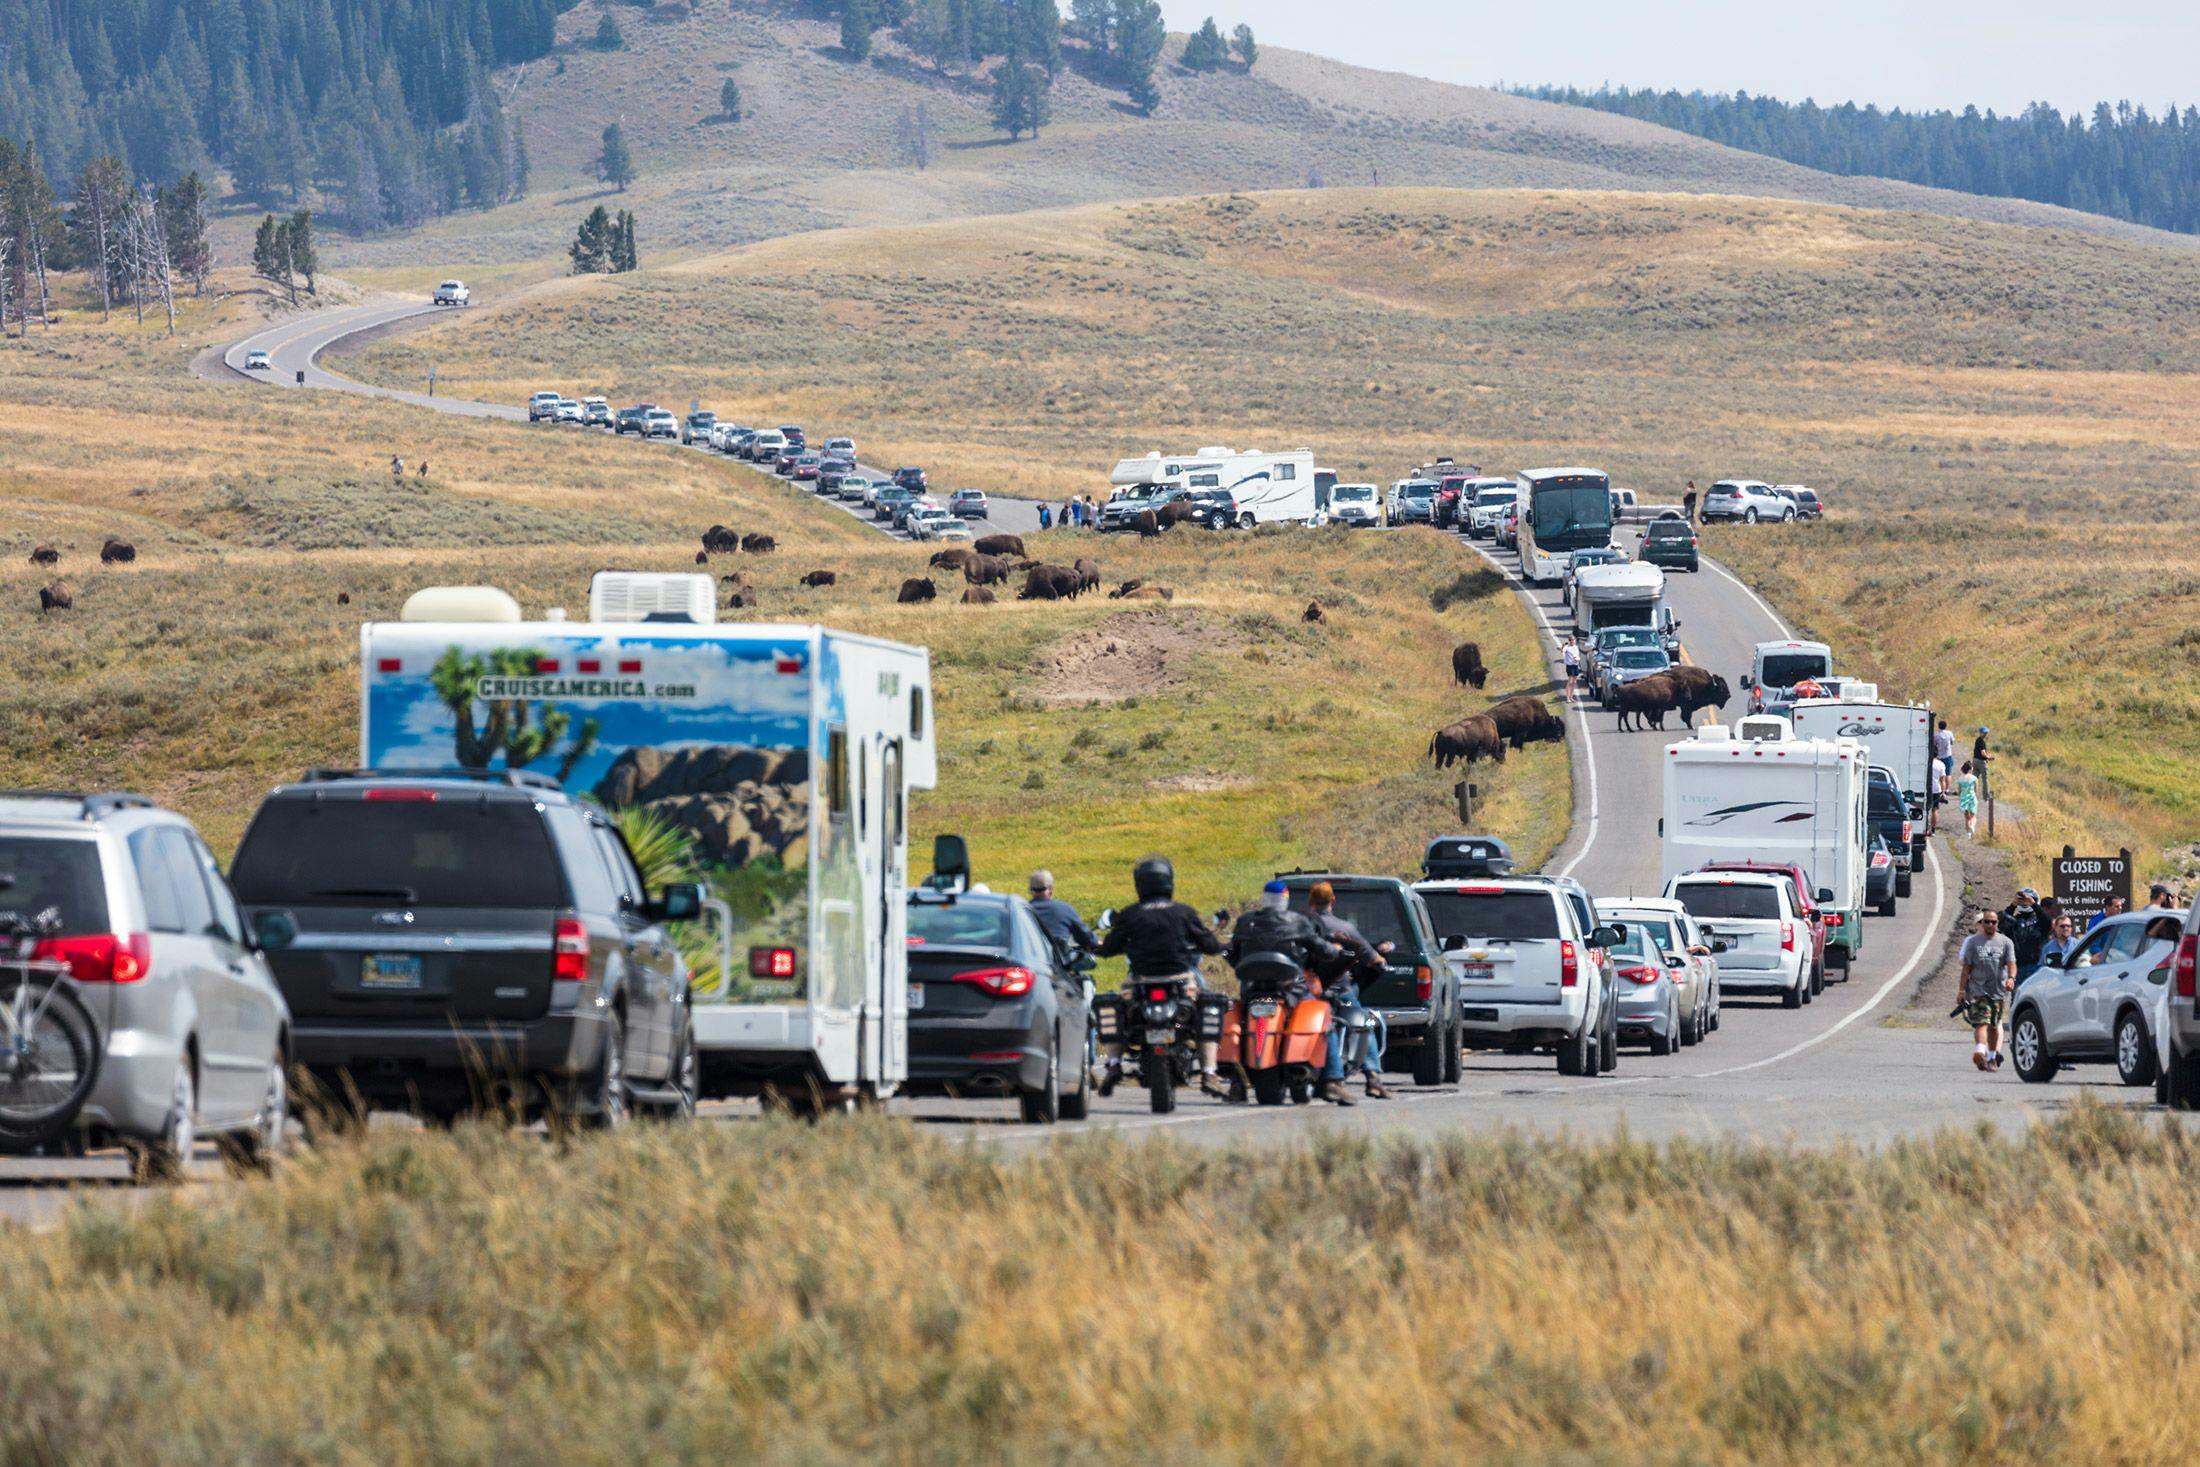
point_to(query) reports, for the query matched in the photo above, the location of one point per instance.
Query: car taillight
(100, 957)
(776, 962)
(1834, 919)
(1004, 982)
(1787, 937)
(569, 950)
(1424, 984)
(2188, 959)
(1569, 968)
(1905, 830)
(1639, 975)
(1159, 993)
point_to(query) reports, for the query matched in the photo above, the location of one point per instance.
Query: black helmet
(1154, 878)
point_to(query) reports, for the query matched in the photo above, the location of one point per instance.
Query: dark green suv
(1672, 544)
(1417, 995)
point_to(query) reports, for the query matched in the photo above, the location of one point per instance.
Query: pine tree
(1019, 97)
(608, 37)
(1140, 34)
(591, 248)
(856, 24)
(305, 257)
(729, 100)
(622, 254)
(1205, 49)
(1241, 41)
(95, 225)
(272, 257)
(1093, 22)
(615, 165)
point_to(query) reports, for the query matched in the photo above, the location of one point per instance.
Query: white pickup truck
(453, 293)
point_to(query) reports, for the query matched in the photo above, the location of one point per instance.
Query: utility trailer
(775, 758)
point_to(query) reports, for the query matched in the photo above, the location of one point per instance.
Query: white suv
(1529, 956)
(543, 406)
(659, 423)
(192, 1031)
(1767, 942)
(1747, 500)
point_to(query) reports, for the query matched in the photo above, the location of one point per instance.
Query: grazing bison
(1314, 613)
(759, 544)
(1148, 525)
(999, 545)
(55, 597)
(702, 557)
(1088, 573)
(987, 570)
(1647, 700)
(718, 540)
(744, 595)
(1466, 665)
(917, 588)
(1525, 720)
(45, 555)
(1696, 687)
(1049, 583)
(343, 598)
(1471, 738)
(117, 551)
(1176, 512)
(977, 596)
(1145, 592)
(958, 558)
(820, 578)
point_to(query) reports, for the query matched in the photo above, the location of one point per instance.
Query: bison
(55, 597)
(977, 596)
(956, 558)
(702, 557)
(916, 588)
(1525, 720)
(1466, 665)
(986, 570)
(1696, 687)
(1146, 592)
(999, 545)
(1088, 573)
(759, 544)
(820, 578)
(1126, 589)
(744, 595)
(115, 551)
(1176, 512)
(1147, 524)
(1314, 613)
(1049, 583)
(718, 540)
(1474, 737)
(343, 598)
(1647, 700)
(45, 555)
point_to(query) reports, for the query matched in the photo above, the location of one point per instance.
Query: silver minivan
(193, 1033)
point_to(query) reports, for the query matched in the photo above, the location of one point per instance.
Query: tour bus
(1266, 487)
(1561, 511)
(779, 756)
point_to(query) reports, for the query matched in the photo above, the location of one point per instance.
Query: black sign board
(2083, 884)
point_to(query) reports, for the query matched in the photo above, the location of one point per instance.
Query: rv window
(916, 713)
(890, 799)
(1287, 471)
(1205, 481)
(836, 774)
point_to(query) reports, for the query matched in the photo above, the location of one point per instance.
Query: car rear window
(1660, 928)
(457, 851)
(62, 874)
(1499, 916)
(1713, 899)
(1669, 530)
(962, 924)
(1788, 670)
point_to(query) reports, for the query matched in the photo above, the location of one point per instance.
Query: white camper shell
(1266, 487)
(1631, 594)
(781, 755)
(1756, 792)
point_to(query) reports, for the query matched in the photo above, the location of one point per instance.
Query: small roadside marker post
(431, 381)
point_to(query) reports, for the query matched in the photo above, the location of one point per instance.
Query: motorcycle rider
(1163, 939)
(1057, 918)
(1343, 990)
(1272, 927)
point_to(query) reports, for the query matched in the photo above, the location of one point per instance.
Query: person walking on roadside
(1987, 969)
(1688, 503)
(2025, 925)
(1944, 767)
(1569, 653)
(2114, 907)
(1967, 800)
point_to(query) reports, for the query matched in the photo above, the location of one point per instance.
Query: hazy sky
(1910, 53)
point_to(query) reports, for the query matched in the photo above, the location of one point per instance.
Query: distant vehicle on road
(1778, 668)
(1671, 544)
(631, 420)
(1596, 555)
(168, 989)
(793, 434)
(841, 448)
(995, 1007)
(1747, 500)
(257, 361)
(1411, 502)
(1266, 487)
(1561, 511)
(1528, 955)
(543, 406)
(888, 502)
(568, 411)
(927, 523)
(910, 478)
(2102, 1004)
(696, 428)
(1489, 498)
(1677, 931)
(852, 488)
(1754, 916)
(831, 470)
(1416, 993)
(1356, 506)
(765, 447)
(1807, 504)
(595, 413)
(453, 293)
(658, 423)
(805, 469)
(970, 504)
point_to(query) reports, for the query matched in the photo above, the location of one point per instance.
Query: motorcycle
(1277, 1033)
(1160, 1025)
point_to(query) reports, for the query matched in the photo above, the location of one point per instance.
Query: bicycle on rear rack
(49, 1047)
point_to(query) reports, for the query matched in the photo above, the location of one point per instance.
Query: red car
(805, 466)
(1450, 493)
(1804, 903)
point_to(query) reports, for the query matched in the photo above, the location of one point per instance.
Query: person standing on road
(1944, 770)
(1967, 800)
(1688, 503)
(1163, 939)
(2024, 924)
(1570, 653)
(1980, 759)
(1988, 967)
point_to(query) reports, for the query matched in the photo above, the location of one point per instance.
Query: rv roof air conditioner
(626, 596)
(1763, 729)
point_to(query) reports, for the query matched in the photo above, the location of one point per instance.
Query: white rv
(1896, 736)
(779, 757)
(1265, 487)
(1756, 792)
(1630, 594)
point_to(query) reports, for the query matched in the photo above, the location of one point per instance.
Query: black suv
(1417, 995)
(469, 937)
(1671, 543)
(910, 478)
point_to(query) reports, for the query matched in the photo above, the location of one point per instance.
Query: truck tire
(1902, 883)
(1885, 908)
(1428, 1059)
(1043, 1106)
(1608, 1041)
(1749, 516)
(2134, 1050)
(1576, 1053)
(1455, 1051)
(2036, 1063)
(2182, 1083)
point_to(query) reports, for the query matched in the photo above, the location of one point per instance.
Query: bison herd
(57, 595)
(1511, 723)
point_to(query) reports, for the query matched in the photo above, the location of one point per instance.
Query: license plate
(916, 995)
(1478, 970)
(1263, 1008)
(386, 970)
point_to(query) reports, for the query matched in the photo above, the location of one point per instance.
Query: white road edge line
(1778, 621)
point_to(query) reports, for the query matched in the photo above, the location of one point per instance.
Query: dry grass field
(2004, 419)
(1079, 735)
(856, 1291)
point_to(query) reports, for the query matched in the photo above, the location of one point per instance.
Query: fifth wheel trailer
(779, 755)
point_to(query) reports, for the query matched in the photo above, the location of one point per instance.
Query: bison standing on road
(1466, 665)
(917, 588)
(819, 578)
(117, 551)
(1647, 700)
(55, 597)
(1471, 738)
(999, 545)
(1696, 687)
(1524, 720)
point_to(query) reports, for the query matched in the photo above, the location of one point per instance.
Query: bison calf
(917, 588)
(977, 596)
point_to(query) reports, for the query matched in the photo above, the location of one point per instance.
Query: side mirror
(1608, 936)
(1825, 894)
(1455, 942)
(1749, 680)
(1721, 945)
(681, 901)
(2051, 960)
(1105, 920)
(1676, 964)
(950, 863)
(274, 931)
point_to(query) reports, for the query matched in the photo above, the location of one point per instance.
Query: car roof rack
(516, 778)
(89, 806)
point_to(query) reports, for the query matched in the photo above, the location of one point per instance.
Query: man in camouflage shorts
(1988, 964)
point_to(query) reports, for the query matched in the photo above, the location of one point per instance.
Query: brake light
(1787, 937)
(1905, 830)
(1481, 891)
(1000, 982)
(1639, 975)
(2188, 959)
(772, 962)
(100, 957)
(569, 950)
(1159, 993)
(1424, 984)
(1834, 919)
(399, 795)
(1569, 968)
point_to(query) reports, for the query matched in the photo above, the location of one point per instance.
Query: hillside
(818, 144)
(2006, 420)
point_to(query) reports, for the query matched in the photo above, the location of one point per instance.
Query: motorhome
(1896, 736)
(1266, 487)
(777, 757)
(1756, 792)
(1630, 594)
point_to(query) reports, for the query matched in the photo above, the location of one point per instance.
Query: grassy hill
(817, 146)
(2004, 419)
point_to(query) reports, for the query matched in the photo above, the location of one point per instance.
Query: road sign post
(431, 381)
(2084, 884)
